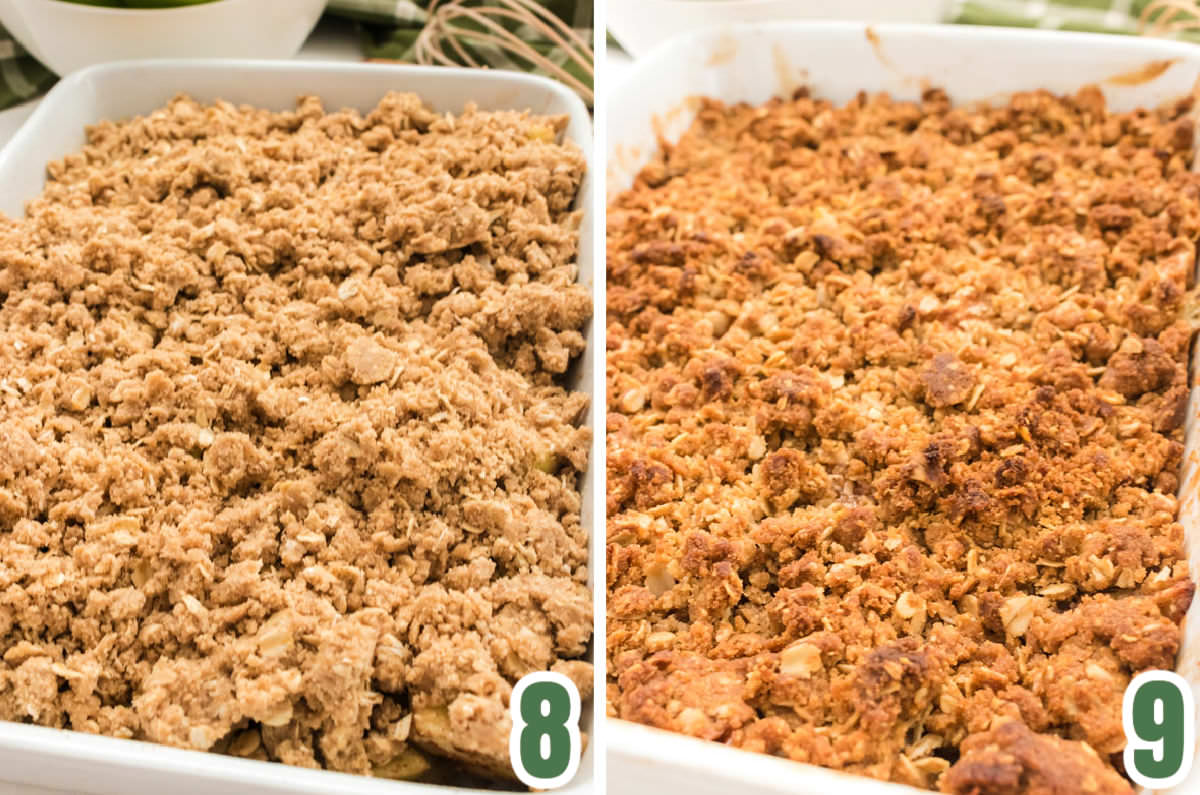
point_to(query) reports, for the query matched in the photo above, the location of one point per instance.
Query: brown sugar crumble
(896, 394)
(287, 466)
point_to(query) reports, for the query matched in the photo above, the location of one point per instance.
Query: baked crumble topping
(287, 469)
(896, 394)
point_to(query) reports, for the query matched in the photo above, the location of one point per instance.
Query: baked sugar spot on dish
(896, 394)
(279, 393)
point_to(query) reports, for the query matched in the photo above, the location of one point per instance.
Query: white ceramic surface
(80, 763)
(640, 24)
(752, 63)
(69, 36)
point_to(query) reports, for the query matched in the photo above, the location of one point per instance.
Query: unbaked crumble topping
(287, 466)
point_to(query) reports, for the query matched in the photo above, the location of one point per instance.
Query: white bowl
(69, 36)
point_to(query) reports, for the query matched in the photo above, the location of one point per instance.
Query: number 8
(545, 746)
(1159, 714)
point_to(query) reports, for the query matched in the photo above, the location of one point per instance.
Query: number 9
(1159, 714)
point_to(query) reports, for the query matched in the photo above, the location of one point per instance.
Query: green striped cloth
(21, 77)
(390, 28)
(382, 13)
(1096, 16)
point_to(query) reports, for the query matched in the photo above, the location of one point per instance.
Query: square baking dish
(78, 762)
(836, 60)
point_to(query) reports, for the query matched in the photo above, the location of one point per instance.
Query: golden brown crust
(1012, 760)
(285, 466)
(895, 396)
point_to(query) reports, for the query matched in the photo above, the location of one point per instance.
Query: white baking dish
(78, 762)
(641, 24)
(752, 63)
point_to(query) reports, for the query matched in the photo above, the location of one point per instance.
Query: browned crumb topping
(1011, 759)
(896, 394)
(285, 466)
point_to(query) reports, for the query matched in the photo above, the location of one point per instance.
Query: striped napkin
(21, 77)
(1096, 16)
(381, 12)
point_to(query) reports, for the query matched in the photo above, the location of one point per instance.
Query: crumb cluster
(896, 394)
(287, 469)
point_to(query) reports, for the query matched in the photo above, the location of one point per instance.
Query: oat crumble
(287, 469)
(895, 405)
